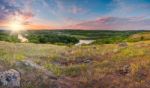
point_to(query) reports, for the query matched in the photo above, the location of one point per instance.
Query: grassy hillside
(139, 37)
(91, 66)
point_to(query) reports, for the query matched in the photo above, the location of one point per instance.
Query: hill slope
(91, 66)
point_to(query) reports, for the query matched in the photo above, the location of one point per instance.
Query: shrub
(51, 38)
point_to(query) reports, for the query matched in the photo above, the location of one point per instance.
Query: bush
(41, 38)
(109, 40)
(51, 38)
(9, 38)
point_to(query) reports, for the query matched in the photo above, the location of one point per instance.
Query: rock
(10, 79)
(124, 70)
(82, 60)
(28, 63)
(31, 64)
(87, 61)
(123, 44)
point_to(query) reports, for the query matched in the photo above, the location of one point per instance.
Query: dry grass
(90, 66)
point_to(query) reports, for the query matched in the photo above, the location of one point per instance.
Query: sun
(16, 25)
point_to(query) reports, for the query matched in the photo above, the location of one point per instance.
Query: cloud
(10, 8)
(120, 8)
(114, 23)
(27, 15)
(126, 8)
(64, 11)
(38, 26)
(6, 9)
(76, 10)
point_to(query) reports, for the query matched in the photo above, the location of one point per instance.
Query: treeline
(73, 36)
(9, 38)
(52, 38)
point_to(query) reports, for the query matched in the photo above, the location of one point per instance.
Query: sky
(77, 14)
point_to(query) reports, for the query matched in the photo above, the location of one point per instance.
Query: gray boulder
(10, 79)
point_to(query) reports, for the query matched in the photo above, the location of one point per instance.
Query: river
(84, 42)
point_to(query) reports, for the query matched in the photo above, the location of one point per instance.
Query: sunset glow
(76, 14)
(16, 24)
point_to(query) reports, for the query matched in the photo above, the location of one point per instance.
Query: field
(116, 65)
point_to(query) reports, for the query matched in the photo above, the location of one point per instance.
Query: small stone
(124, 70)
(87, 61)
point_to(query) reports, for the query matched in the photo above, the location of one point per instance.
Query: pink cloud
(27, 15)
(114, 23)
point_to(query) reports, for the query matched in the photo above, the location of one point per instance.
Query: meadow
(124, 63)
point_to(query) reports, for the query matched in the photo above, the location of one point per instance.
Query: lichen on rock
(10, 79)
